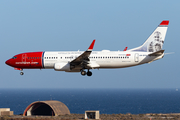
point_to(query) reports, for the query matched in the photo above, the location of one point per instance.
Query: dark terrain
(102, 117)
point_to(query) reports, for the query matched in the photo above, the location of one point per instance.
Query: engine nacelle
(62, 66)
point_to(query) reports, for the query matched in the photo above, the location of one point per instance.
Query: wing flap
(93, 64)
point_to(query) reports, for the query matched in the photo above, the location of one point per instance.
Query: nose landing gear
(21, 73)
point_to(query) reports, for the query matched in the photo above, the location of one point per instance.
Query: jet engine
(62, 66)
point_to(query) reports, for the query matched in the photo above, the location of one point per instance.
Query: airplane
(83, 61)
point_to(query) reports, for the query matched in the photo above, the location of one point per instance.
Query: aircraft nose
(8, 62)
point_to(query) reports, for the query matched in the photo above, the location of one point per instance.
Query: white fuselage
(105, 58)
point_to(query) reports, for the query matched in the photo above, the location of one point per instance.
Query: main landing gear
(88, 73)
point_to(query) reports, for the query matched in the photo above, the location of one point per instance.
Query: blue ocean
(107, 101)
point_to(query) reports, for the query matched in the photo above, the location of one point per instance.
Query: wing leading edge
(83, 58)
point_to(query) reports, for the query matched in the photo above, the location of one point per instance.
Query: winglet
(91, 46)
(125, 48)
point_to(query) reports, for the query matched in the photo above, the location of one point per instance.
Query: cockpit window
(14, 57)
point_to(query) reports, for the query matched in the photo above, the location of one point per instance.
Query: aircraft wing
(83, 58)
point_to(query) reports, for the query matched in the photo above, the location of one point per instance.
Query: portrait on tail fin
(157, 44)
(156, 39)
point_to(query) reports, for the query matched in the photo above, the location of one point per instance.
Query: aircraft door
(136, 57)
(24, 57)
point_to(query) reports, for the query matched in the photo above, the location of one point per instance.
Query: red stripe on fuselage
(30, 60)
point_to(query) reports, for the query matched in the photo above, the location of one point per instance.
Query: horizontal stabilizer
(158, 53)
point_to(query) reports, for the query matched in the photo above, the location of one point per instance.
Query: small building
(92, 114)
(5, 111)
(46, 108)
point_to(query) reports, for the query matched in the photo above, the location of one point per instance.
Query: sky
(71, 25)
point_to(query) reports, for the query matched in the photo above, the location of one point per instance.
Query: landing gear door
(136, 57)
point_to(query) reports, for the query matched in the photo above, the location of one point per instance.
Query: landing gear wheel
(83, 72)
(89, 73)
(21, 73)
